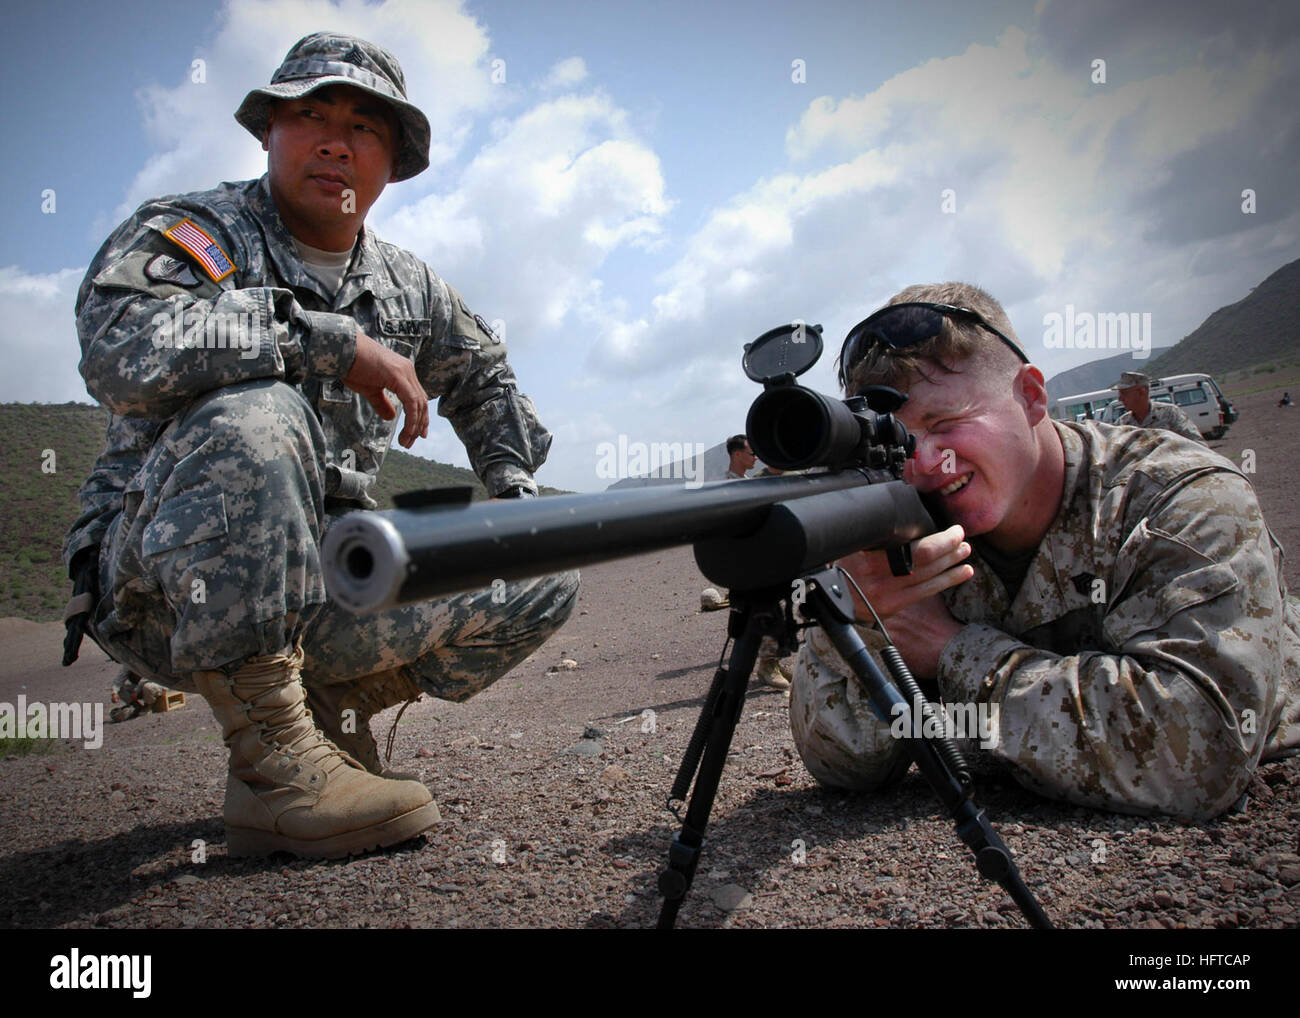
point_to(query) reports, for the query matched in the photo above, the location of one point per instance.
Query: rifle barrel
(374, 560)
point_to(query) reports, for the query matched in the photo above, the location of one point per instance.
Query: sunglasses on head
(900, 326)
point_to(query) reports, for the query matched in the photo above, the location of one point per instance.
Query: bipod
(754, 614)
(828, 604)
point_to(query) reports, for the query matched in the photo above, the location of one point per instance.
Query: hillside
(1263, 327)
(50, 449)
(1096, 374)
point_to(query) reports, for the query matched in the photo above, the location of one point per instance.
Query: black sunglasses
(899, 326)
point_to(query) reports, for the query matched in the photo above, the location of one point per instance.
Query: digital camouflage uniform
(1147, 663)
(1164, 415)
(224, 466)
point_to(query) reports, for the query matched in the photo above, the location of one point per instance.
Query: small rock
(585, 747)
(591, 732)
(186, 878)
(118, 796)
(731, 897)
(1163, 899)
(711, 599)
(568, 664)
(613, 775)
(1289, 875)
(424, 753)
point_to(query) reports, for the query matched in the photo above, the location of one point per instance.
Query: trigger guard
(900, 560)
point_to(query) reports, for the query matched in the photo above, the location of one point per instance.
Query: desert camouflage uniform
(224, 467)
(1147, 663)
(1167, 416)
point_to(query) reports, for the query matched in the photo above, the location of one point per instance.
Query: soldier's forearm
(1135, 734)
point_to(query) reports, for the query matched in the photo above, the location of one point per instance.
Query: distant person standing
(1135, 393)
(1285, 400)
(768, 669)
(742, 457)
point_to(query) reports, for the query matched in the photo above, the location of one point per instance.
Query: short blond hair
(955, 346)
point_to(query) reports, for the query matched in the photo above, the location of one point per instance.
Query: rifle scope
(791, 427)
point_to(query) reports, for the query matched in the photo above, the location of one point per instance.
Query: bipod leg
(830, 604)
(749, 621)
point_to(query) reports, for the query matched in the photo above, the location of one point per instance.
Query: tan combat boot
(365, 697)
(289, 788)
(769, 672)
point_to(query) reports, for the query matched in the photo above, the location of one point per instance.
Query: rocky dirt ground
(545, 828)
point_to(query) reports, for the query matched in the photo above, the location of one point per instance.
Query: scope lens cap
(787, 350)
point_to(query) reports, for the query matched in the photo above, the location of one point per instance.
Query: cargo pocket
(202, 517)
(179, 544)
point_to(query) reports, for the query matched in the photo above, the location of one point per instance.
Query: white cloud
(1048, 171)
(39, 337)
(537, 211)
(566, 73)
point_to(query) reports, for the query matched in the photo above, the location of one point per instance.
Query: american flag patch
(208, 252)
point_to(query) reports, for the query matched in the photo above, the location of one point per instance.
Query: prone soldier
(1114, 594)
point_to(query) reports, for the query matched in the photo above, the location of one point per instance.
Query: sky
(634, 191)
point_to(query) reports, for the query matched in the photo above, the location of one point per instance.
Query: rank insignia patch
(196, 241)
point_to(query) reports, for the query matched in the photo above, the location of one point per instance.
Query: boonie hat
(1129, 379)
(327, 58)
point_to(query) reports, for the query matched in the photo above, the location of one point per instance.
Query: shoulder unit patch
(195, 240)
(164, 268)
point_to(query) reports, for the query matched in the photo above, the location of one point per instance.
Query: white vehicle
(1200, 398)
(1086, 405)
(1198, 395)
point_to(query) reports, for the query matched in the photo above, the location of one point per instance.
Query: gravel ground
(545, 828)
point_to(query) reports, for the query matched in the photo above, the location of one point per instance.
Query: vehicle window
(1189, 396)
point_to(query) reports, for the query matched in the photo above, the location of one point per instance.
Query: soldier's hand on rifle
(937, 564)
(918, 621)
(378, 368)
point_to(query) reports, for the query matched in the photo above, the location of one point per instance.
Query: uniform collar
(1041, 597)
(1037, 599)
(365, 274)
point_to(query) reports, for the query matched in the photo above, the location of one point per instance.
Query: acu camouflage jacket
(157, 331)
